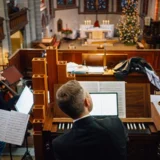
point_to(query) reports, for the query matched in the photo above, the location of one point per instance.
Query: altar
(97, 33)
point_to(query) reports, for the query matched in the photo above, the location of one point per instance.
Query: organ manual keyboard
(132, 127)
(142, 123)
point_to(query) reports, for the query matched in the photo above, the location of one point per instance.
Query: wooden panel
(113, 56)
(16, 61)
(39, 82)
(157, 61)
(70, 57)
(90, 59)
(52, 60)
(38, 145)
(148, 56)
(39, 97)
(113, 59)
(62, 71)
(18, 20)
(22, 59)
(39, 112)
(138, 100)
(156, 116)
(39, 66)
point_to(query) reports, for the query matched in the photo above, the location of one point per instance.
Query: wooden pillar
(52, 59)
(40, 92)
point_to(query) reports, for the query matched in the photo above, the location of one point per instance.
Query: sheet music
(156, 100)
(96, 70)
(4, 117)
(90, 86)
(16, 124)
(109, 86)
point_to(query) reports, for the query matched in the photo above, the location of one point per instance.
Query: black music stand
(10, 151)
(27, 155)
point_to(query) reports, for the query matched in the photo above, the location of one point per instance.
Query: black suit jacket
(92, 139)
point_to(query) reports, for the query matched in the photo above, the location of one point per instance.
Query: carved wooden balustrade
(1, 29)
(18, 20)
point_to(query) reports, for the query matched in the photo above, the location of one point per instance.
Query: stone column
(6, 43)
(38, 19)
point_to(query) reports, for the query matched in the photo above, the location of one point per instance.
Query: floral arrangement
(66, 31)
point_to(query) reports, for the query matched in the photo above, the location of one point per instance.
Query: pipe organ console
(143, 132)
(142, 119)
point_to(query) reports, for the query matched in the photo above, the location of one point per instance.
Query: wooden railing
(1, 29)
(18, 20)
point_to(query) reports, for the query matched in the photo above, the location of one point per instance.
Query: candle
(108, 21)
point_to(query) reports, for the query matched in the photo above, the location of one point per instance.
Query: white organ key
(68, 126)
(128, 127)
(134, 126)
(63, 126)
(139, 126)
(143, 126)
(131, 126)
(59, 126)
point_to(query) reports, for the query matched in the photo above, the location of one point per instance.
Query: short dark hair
(70, 98)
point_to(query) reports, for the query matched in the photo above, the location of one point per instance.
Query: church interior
(111, 44)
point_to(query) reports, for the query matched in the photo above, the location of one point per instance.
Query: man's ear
(87, 102)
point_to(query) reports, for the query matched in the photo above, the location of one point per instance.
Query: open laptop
(25, 101)
(104, 104)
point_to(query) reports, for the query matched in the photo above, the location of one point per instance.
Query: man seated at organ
(89, 138)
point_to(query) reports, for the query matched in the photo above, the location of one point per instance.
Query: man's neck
(81, 117)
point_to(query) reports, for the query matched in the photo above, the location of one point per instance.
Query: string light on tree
(128, 26)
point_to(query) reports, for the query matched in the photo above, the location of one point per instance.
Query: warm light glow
(156, 9)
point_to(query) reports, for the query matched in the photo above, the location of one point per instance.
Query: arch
(43, 21)
(59, 25)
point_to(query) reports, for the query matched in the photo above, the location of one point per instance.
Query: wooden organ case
(142, 122)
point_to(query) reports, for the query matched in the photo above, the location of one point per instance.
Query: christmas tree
(128, 27)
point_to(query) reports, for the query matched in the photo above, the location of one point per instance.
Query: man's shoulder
(110, 122)
(61, 138)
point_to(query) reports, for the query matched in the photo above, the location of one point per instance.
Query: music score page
(13, 126)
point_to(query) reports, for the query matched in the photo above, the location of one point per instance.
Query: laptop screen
(25, 101)
(104, 104)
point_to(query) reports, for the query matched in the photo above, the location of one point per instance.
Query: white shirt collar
(81, 118)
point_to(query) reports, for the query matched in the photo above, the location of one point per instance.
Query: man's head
(73, 99)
